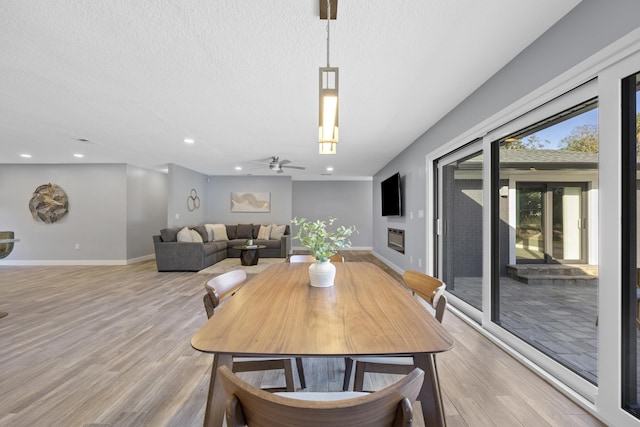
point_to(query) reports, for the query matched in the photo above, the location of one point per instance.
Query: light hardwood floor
(110, 346)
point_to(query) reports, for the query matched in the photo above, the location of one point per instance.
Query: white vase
(322, 274)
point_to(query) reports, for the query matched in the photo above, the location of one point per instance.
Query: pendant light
(328, 120)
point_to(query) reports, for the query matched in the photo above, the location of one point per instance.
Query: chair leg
(288, 375)
(348, 366)
(358, 382)
(303, 383)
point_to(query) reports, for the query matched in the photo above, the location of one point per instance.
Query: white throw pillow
(184, 235)
(216, 232)
(220, 232)
(277, 231)
(265, 231)
(195, 236)
(209, 228)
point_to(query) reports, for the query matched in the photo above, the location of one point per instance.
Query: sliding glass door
(545, 286)
(459, 223)
(631, 245)
(550, 222)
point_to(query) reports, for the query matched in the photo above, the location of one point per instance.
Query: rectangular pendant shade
(328, 118)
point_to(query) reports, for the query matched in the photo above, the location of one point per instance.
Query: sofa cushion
(169, 234)
(245, 231)
(277, 231)
(202, 232)
(195, 236)
(184, 235)
(232, 231)
(213, 247)
(270, 244)
(264, 232)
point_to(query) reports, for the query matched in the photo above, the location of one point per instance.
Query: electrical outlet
(177, 216)
(410, 259)
(419, 262)
(77, 246)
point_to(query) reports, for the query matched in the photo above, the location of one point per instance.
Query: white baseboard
(397, 269)
(67, 262)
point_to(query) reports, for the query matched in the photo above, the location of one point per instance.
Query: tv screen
(391, 196)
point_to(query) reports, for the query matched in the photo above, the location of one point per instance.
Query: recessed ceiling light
(330, 169)
(238, 168)
(26, 156)
(78, 155)
(189, 140)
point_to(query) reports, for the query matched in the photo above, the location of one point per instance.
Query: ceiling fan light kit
(328, 112)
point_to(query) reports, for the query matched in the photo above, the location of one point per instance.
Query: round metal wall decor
(49, 203)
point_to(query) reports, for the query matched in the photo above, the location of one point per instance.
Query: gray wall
(147, 204)
(181, 183)
(221, 187)
(588, 28)
(348, 201)
(96, 219)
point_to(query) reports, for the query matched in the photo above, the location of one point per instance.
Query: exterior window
(545, 273)
(630, 240)
(459, 233)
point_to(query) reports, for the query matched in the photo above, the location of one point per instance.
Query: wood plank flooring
(110, 346)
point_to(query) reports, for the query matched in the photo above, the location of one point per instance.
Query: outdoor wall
(348, 201)
(588, 28)
(96, 220)
(147, 204)
(219, 190)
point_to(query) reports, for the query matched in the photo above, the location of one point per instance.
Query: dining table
(365, 313)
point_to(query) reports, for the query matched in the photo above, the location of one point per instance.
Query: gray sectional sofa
(175, 255)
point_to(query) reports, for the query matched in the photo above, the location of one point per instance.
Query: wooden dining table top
(366, 312)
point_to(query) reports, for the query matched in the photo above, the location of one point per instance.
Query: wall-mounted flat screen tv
(391, 196)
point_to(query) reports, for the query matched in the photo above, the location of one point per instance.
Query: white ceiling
(136, 78)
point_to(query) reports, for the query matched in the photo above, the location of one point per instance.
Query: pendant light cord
(328, 28)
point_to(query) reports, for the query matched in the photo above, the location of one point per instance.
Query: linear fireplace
(395, 239)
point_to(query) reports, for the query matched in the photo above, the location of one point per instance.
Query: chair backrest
(248, 405)
(224, 285)
(208, 305)
(336, 258)
(428, 288)
(302, 258)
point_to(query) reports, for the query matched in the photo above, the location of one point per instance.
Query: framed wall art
(250, 202)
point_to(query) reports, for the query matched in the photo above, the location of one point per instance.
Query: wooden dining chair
(426, 287)
(219, 289)
(302, 258)
(250, 406)
(336, 258)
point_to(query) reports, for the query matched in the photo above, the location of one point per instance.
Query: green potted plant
(322, 243)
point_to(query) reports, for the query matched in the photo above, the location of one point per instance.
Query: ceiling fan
(275, 164)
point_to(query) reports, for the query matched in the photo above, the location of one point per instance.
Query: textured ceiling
(136, 78)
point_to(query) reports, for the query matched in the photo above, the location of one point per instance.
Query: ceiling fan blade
(294, 167)
(285, 161)
(264, 161)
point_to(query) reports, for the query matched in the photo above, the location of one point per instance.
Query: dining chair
(253, 407)
(426, 287)
(302, 258)
(336, 258)
(219, 289)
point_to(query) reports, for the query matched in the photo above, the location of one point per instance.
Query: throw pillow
(195, 236)
(184, 235)
(277, 231)
(245, 231)
(169, 234)
(232, 231)
(202, 231)
(264, 232)
(209, 228)
(220, 232)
